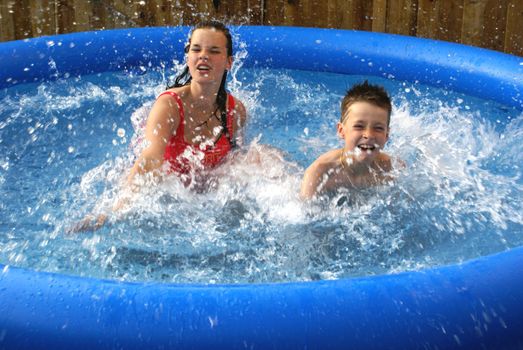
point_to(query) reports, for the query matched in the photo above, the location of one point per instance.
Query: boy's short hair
(365, 92)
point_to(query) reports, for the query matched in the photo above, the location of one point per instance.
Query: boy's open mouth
(367, 148)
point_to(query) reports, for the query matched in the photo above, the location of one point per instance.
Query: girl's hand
(89, 223)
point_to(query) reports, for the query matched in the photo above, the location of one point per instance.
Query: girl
(195, 123)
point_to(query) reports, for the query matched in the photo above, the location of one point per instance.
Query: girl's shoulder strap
(177, 99)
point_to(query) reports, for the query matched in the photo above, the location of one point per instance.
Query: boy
(364, 126)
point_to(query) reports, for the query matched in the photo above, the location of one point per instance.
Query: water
(65, 149)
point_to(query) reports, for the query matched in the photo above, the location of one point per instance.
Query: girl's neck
(203, 95)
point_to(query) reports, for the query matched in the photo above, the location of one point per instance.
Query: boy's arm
(317, 174)
(310, 182)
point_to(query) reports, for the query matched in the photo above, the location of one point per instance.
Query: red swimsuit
(180, 154)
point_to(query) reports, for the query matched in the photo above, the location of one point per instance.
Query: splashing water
(66, 147)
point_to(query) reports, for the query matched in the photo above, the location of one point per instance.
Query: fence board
(21, 21)
(255, 10)
(345, 18)
(7, 27)
(379, 16)
(402, 17)
(473, 18)
(441, 20)
(514, 33)
(355, 14)
(291, 13)
(332, 14)
(320, 13)
(451, 19)
(487, 23)
(82, 12)
(101, 15)
(495, 18)
(427, 18)
(43, 14)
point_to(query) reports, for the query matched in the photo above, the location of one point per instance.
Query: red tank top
(183, 156)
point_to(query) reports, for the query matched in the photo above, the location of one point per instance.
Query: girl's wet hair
(365, 92)
(184, 78)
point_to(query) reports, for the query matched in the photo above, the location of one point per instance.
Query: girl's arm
(161, 124)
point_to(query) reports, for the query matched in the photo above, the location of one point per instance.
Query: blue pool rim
(475, 304)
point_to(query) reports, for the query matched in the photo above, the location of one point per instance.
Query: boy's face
(364, 130)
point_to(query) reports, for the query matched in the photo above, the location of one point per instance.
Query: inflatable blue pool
(474, 305)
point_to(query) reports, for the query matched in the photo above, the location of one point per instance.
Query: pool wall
(474, 305)
(479, 72)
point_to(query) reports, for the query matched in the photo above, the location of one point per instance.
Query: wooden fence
(493, 24)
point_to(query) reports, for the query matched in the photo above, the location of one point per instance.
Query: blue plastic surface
(475, 305)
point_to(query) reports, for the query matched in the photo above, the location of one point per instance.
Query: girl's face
(207, 57)
(364, 130)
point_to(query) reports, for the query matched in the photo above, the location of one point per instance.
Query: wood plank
(273, 12)
(7, 24)
(514, 29)
(43, 15)
(122, 14)
(379, 15)
(107, 15)
(83, 11)
(22, 22)
(332, 13)
(440, 20)
(251, 11)
(319, 13)
(192, 13)
(427, 20)
(65, 18)
(163, 13)
(340, 15)
(367, 15)
(451, 18)
(291, 11)
(402, 17)
(232, 11)
(99, 15)
(494, 19)
(255, 11)
(349, 14)
(176, 13)
(473, 20)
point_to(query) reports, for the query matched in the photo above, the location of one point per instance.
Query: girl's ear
(340, 130)
(229, 63)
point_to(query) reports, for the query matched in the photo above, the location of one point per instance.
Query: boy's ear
(341, 132)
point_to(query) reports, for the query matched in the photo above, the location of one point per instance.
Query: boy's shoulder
(328, 159)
